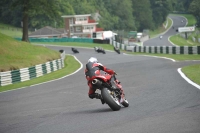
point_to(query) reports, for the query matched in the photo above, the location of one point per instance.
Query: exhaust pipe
(96, 82)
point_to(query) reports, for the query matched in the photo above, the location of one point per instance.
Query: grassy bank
(180, 41)
(71, 65)
(10, 30)
(193, 73)
(16, 54)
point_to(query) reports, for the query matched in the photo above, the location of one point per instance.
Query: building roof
(47, 30)
(74, 16)
(84, 24)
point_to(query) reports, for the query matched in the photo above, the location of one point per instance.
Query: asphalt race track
(161, 101)
(177, 22)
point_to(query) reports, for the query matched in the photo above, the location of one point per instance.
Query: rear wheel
(110, 98)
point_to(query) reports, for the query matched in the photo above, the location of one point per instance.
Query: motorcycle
(99, 50)
(110, 91)
(75, 50)
(117, 50)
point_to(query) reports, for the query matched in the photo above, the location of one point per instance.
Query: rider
(93, 69)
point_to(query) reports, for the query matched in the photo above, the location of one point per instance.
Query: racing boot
(98, 96)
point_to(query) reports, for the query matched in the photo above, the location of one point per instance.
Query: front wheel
(111, 99)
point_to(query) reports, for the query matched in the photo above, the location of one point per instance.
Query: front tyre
(110, 99)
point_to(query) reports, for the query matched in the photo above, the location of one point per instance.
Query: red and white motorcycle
(110, 91)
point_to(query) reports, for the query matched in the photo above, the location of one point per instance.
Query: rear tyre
(110, 99)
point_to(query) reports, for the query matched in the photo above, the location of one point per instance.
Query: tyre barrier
(24, 74)
(160, 49)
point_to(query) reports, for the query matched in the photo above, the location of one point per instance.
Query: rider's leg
(92, 94)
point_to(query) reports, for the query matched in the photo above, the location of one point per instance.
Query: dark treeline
(115, 14)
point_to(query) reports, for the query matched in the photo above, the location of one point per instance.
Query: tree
(143, 14)
(160, 9)
(121, 10)
(44, 19)
(10, 15)
(195, 10)
(32, 8)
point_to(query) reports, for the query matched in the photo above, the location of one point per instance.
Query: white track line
(179, 69)
(187, 79)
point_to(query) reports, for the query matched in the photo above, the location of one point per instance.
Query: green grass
(10, 30)
(16, 54)
(71, 65)
(192, 72)
(169, 23)
(176, 39)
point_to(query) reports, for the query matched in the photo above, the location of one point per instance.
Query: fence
(24, 74)
(12, 31)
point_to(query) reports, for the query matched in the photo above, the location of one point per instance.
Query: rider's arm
(103, 68)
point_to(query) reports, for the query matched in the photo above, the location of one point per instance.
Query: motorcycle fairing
(105, 78)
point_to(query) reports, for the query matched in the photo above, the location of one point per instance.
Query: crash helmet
(93, 60)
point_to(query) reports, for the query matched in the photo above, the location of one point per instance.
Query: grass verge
(16, 54)
(178, 40)
(71, 65)
(193, 73)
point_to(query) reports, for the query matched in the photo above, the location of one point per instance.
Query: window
(81, 19)
(88, 27)
(71, 21)
(78, 28)
(71, 29)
